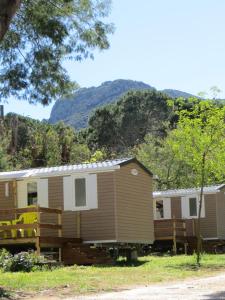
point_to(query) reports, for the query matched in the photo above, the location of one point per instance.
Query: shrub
(21, 262)
(5, 259)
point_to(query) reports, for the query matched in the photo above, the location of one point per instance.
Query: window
(32, 193)
(159, 209)
(193, 207)
(80, 192)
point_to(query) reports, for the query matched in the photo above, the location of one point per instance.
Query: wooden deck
(12, 234)
(176, 230)
(45, 237)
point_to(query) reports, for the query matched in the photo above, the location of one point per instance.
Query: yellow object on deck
(26, 218)
(3, 223)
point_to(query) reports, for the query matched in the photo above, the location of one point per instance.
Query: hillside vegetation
(76, 110)
(27, 143)
(138, 124)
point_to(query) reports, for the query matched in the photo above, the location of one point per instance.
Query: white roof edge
(65, 170)
(184, 192)
(28, 175)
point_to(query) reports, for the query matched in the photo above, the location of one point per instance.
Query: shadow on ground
(216, 296)
(194, 267)
(124, 263)
(4, 294)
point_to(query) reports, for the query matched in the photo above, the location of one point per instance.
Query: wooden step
(82, 254)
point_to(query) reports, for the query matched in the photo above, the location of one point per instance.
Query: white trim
(185, 206)
(209, 239)
(207, 190)
(38, 173)
(166, 208)
(50, 175)
(119, 242)
(6, 189)
(103, 241)
(91, 192)
(42, 192)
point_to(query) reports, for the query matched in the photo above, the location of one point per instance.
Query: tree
(41, 35)
(124, 124)
(171, 171)
(199, 141)
(8, 9)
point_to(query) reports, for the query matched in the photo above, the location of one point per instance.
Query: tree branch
(8, 8)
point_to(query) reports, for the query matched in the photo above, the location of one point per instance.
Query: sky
(165, 43)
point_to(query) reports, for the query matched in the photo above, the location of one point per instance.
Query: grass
(80, 279)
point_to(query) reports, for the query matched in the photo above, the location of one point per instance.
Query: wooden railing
(174, 229)
(8, 217)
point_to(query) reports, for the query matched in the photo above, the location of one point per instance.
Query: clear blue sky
(167, 44)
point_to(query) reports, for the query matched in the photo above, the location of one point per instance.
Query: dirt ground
(191, 289)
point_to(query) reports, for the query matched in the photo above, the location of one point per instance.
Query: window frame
(166, 208)
(156, 212)
(74, 177)
(187, 206)
(196, 206)
(27, 182)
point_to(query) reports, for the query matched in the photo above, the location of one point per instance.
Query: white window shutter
(6, 189)
(185, 207)
(92, 191)
(167, 208)
(68, 195)
(203, 207)
(22, 194)
(42, 190)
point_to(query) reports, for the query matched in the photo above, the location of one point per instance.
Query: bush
(21, 262)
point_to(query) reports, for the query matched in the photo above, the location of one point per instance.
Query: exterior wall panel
(134, 205)
(99, 224)
(209, 223)
(220, 206)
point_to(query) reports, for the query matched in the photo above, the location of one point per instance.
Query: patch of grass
(81, 279)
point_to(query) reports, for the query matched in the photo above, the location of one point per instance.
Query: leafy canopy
(199, 141)
(44, 33)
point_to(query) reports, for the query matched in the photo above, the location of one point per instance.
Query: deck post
(14, 193)
(60, 233)
(78, 224)
(14, 190)
(174, 237)
(185, 237)
(193, 227)
(38, 233)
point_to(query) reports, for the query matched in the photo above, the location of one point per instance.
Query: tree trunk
(8, 9)
(199, 212)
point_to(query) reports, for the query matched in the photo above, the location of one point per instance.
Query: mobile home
(183, 204)
(102, 203)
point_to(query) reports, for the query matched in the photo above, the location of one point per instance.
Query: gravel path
(191, 289)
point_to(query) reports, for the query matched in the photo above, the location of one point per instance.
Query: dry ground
(204, 288)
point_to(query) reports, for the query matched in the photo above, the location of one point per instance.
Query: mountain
(176, 93)
(76, 110)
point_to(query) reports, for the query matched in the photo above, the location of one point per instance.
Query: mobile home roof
(184, 192)
(108, 165)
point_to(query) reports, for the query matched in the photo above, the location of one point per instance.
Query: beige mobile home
(105, 203)
(181, 207)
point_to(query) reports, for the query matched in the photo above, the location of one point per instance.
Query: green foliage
(21, 262)
(200, 133)
(27, 143)
(158, 157)
(44, 33)
(122, 125)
